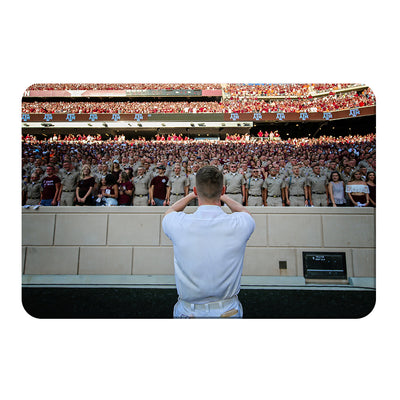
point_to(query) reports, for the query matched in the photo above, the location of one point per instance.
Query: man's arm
(181, 204)
(151, 191)
(233, 205)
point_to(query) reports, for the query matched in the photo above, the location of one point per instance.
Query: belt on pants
(318, 193)
(274, 196)
(33, 198)
(208, 306)
(178, 194)
(255, 195)
(234, 193)
(68, 191)
(297, 195)
(141, 195)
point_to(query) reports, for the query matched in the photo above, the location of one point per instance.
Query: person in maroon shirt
(372, 188)
(158, 188)
(51, 185)
(125, 188)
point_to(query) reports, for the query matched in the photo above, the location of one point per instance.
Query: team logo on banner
(327, 116)
(354, 112)
(280, 116)
(234, 116)
(93, 117)
(26, 117)
(116, 117)
(138, 117)
(303, 116)
(257, 116)
(48, 117)
(70, 117)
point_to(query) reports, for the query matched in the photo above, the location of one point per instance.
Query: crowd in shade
(324, 171)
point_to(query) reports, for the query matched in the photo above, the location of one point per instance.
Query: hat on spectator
(161, 167)
(116, 161)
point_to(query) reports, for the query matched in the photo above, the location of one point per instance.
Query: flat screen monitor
(324, 265)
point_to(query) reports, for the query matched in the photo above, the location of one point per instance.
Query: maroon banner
(223, 117)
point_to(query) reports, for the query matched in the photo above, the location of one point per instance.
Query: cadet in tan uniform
(69, 181)
(274, 193)
(318, 188)
(33, 191)
(296, 193)
(235, 184)
(141, 184)
(177, 186)
(306, 170)
(254, 188)
(192, 183)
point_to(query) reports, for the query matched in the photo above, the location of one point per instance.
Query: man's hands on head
(181, 204)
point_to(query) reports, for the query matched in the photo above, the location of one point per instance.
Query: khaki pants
(296, 201)
(274, 201)
(67, 199)
(254, 201)
(319, 200)
(141, 201)
(32, 202)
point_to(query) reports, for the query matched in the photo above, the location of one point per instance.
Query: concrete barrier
(91, 244)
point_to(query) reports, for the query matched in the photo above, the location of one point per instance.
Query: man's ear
(195, 190)
(223, 190)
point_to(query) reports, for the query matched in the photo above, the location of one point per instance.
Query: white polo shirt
(209, 248)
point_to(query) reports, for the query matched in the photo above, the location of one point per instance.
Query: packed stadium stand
(103, 145)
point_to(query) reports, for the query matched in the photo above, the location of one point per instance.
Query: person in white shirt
(209, 247)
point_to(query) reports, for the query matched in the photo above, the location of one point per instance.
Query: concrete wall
(129, 241)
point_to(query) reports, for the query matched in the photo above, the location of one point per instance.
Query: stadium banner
(124, 93)
(164, 93)
(211, 92)
(201, 117)
(47, 93)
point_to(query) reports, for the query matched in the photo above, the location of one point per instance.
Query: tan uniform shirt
(295, 185)
(254, 186)
(69, 180)
(273, 186)
(142, 184)
(32, 190)
(177, 184)
(234, 182)
(317, 183)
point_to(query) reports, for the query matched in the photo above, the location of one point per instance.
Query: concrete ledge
(161, 210)
(130, 241)
(168, 282)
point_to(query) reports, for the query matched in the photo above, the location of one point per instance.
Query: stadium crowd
(124, 86)
(295, 172)
(232, 89)
(290, 89)
(329, 103)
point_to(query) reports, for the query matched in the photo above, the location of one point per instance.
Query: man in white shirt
(209, 248)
